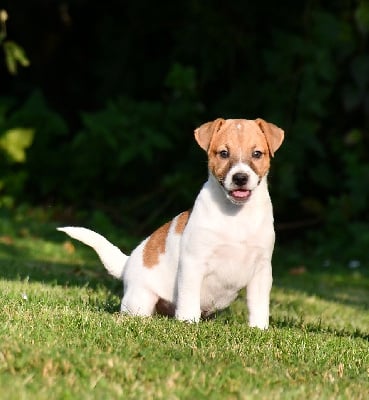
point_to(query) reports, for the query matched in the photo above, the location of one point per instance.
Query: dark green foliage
(123, 87)
(39, 130)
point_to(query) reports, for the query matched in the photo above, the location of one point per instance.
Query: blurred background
(99, 101)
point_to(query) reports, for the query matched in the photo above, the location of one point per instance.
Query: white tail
(112, 258)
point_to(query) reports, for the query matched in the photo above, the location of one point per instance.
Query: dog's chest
(230, 248)
(228, 268)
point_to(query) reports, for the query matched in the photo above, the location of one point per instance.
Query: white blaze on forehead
(240, 156)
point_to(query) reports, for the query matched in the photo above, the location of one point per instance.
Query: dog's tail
(112, 258)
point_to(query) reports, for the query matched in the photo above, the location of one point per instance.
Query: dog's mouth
(239, 196)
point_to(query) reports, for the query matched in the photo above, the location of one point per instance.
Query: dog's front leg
(258, 294)
(189, 282)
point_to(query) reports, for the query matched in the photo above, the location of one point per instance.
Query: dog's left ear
(274, 135)
(204, 133)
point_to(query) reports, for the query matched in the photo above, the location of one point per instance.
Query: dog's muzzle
(240, 179)
(239, 194)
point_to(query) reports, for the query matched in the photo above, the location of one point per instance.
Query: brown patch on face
(182, 221)
(155, 246)
(240, 138)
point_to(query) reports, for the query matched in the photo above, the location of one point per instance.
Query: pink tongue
(241, 193)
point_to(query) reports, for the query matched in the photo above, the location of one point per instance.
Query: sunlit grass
(61, 335)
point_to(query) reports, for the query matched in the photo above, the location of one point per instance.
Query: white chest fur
(223, 247)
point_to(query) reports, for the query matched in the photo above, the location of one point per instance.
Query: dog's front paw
(259, 326)
(261, 323)
(188, 316)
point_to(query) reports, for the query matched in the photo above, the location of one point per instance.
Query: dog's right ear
(273, 135)
(204, 133)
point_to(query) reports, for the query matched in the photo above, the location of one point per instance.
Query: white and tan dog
(197, 263)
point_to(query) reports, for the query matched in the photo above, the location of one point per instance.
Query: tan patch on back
(155, 246)
(182, 221)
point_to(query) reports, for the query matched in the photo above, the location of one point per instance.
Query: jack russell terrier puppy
(197, 263)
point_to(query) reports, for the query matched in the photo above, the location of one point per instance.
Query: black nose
(240, 178)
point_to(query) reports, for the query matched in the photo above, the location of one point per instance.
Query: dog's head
(239, 153)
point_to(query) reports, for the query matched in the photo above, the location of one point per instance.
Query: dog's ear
(274, 135)
(204, 133)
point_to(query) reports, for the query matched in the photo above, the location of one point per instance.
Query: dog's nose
(240, 178)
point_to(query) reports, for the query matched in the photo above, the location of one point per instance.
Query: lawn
(61, 335)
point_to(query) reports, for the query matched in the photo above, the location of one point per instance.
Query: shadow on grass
(56, 273)
(300, 270)
(32, 250)
(65, 275)
(293, 323)
(337, 285)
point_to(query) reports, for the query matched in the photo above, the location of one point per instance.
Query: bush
(306, 70)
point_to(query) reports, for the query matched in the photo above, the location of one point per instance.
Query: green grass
(61, 335)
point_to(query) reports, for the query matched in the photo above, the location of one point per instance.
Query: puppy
(197, 263)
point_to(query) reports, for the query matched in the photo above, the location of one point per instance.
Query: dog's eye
(257, 154)
(224, 153)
